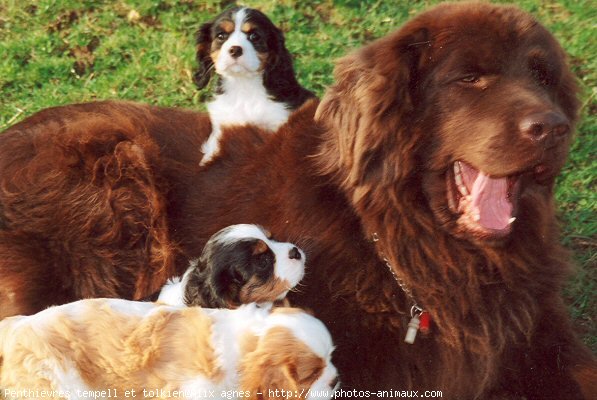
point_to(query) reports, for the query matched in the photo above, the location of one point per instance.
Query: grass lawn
(63, 51)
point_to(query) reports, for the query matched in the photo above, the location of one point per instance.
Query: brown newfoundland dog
(425, 176)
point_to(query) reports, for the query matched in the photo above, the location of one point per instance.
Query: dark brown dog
(436, 150)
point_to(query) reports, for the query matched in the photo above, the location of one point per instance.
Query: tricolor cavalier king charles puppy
(425, 176)
(116, 346)
(256, 80)
(240, 264)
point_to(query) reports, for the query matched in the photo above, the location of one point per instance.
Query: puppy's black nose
(236, 51)
(294, 254)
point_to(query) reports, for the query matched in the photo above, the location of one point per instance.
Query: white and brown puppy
(119, 345)
(240, 264)
(256, 80)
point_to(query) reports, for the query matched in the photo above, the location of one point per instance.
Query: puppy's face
(239, 42)
(293, 354)
(242, 264)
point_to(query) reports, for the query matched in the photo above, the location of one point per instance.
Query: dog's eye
(264, 261)
(472, 79)
(254, 36)
(540, 72)
(475, 80)
(222, 36)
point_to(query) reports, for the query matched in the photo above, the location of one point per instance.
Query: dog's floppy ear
(269, 367)
(205, 64)
(227, 280)
(366, 112)
(265, 378)
(198, 290)
(279, 74)
(214, 283)
(279, 56)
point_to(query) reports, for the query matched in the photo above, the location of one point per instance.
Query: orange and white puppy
(122, 346)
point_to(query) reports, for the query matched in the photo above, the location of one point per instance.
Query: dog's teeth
(461, 188)
(511, 220)
(457, 170)
(476, 215)
(458, 179)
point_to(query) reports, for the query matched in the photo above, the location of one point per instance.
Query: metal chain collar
(419, 318)
(415, 309)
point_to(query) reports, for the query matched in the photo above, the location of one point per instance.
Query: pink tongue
(490, 197)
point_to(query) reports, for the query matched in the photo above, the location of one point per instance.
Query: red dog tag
(425, 322)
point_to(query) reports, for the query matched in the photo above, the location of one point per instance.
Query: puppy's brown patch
(260, 247)
(257, 291)
(215, 54)
(227, 26)
(248, 27)
(288, 310)
(282, 362)
(263, 59)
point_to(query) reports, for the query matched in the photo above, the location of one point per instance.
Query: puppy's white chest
(244, 101)
(247, 108)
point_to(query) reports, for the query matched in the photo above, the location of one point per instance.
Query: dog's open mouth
(486, 205)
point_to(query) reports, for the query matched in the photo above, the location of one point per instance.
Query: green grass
(57, 52)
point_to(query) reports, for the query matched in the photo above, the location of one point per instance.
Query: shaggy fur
(460, 83)
(80, 201)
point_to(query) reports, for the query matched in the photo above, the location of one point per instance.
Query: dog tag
(413, 327)
(425, 324)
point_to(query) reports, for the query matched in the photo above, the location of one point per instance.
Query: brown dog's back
(78, 185)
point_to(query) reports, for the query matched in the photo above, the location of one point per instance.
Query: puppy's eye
(264, 261)
(222, 36)
(254, 36)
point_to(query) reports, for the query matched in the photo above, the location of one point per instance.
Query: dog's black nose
(545, 127)
(294, 254)
(236, 51)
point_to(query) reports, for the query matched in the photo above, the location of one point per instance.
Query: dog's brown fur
(389, 131)
(78, 196)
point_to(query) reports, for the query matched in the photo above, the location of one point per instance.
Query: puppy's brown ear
(267, 378)
(260, 247)
(270, 365)
(370, 104)
(306, 370)
(205, 64)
